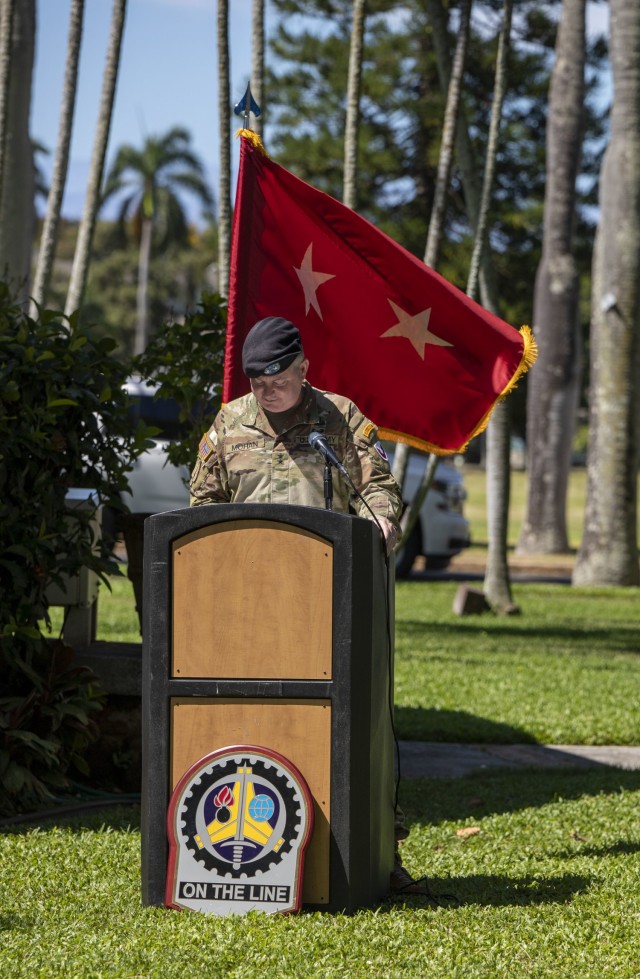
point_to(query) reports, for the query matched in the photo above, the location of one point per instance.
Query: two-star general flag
(418, 357)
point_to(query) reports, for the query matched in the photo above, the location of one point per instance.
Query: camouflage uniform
(243, 459)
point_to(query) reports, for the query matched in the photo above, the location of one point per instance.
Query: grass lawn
(565, 671)
(547, 887)
(546, 884)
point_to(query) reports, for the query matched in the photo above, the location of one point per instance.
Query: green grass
(566, 671)
(476, 504)
(547, 888)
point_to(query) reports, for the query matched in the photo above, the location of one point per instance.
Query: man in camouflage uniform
(258, 451)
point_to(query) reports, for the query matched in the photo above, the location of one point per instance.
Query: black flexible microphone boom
(319, 442)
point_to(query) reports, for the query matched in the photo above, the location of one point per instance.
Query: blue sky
(168, 77)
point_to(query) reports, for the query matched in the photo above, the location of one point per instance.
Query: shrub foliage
(63, 424)
(186, 360)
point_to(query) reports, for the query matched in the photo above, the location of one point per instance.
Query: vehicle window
(162, 413)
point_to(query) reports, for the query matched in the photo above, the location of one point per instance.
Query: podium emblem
(239, 822)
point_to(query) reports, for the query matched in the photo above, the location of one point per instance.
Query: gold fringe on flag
(254, 139)
(529, 357)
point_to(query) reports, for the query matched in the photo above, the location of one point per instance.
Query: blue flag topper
(247, 104)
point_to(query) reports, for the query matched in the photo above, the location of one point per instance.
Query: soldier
(258, 451)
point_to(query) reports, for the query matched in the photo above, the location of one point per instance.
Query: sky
(167, 78)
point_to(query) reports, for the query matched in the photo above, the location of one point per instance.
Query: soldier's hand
(390, 532)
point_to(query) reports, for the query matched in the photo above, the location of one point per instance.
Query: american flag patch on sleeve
(205, 449)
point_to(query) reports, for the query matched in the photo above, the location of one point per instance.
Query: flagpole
(246, 106)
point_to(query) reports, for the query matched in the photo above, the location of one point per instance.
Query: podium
(272, 625)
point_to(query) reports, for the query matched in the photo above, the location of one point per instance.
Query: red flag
(418, 357)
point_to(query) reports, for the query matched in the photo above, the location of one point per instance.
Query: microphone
(319, 442)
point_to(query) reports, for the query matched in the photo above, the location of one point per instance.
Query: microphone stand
(328, 487)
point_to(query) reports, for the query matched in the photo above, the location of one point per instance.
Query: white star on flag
(311, 281)
(415, 329)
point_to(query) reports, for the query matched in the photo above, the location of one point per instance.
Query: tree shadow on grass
(76, 817)
(493, 890)
(453, 726)
(620, 639)
(619, 848)
(431, 801)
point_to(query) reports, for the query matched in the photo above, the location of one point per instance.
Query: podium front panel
(252, 598)
(298, 729)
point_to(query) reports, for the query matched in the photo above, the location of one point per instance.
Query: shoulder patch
(368, 429)
(205, 449)
(380, 450)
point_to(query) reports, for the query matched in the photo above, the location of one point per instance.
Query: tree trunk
(49, 235)
(224, 185)
(434, 236)
(451, 116)
(16, 203)
(497, 584)
(352, 126)
(554, 385)
(257, 60)
(82, 255)
(142, 298)
(6, 34)
(608, 553)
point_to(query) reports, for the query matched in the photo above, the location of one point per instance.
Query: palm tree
(257, 59)
(352, 125)
(80, 268)
(497, 586)
(16, 153)
(224, 122)
(6, 32)
(434, 235)
(608, 552)
(553, 389)
(54, 201)
(150, 180)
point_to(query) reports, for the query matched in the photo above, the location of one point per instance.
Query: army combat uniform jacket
(242, 459)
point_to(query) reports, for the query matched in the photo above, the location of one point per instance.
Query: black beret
(270, 347)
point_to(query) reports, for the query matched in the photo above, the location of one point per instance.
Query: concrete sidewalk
(430, 759)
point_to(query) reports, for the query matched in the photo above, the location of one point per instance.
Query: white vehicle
(155, 486)
(442, 530)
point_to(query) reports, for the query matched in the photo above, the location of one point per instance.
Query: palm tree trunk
(451, 116)
(142, 302)
(6, 33)
(49, 235)
(608, 553)
(16, 202)
(352, 126)
(553, 387)
(82, 255)
(497, 585)
(257, 60)
(434, 236)
(224, 186)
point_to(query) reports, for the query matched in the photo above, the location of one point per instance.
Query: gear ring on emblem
(201, 785)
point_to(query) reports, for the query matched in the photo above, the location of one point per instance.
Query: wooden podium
(272, 625)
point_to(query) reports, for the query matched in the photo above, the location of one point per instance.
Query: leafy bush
(63, 424)
(186, 360)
